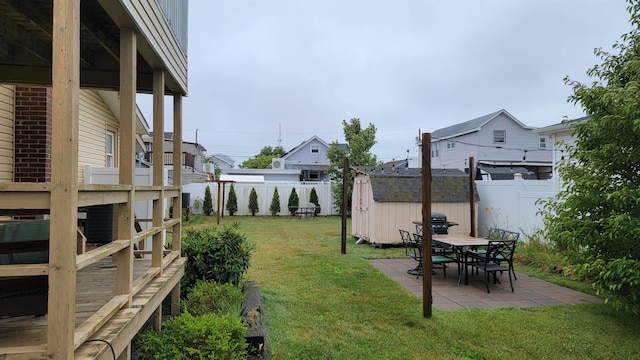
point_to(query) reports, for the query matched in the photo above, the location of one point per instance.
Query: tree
(359, 142)
(232, 203)
(263, 159)
(596, 217)
(207, 206)
(313, 198)
(253, 202)
(275, 203)
(294, 202)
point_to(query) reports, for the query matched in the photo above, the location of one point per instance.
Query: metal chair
(497, 252)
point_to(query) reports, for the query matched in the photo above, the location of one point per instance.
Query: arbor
(359, 142)
(253, 202)
(263, 159)
(207, 206)
(232, 203)
(275, 203)
(293, 202)
(596, 217)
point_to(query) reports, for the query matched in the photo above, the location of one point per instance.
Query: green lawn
(321, 304)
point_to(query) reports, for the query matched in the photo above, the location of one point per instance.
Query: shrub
(218, 254)
(197, 204)
(253, 202)
(195, 337)
(275, 203)
(210, 297)
(232, 203)
(207, 206)
(313, 198)
(294, 202)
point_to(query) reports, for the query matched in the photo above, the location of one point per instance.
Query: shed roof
(405, 185)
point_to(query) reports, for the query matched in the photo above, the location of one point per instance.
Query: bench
(306, 211)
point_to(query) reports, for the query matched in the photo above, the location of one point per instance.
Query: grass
(321, 304)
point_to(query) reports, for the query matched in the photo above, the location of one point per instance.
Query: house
(496, 140)
(291, 175)
(221, 161)
(387, 199)
(560, 137)
(310, 157)
(193, 157)
(123, 47)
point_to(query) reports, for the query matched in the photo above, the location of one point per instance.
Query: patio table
(460, 243)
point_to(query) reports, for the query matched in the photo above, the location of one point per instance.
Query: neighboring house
(223, 162)
(496, 140)
(94, 59)
(386, 199)
(193, 155)
(310, 157)
(560, 137)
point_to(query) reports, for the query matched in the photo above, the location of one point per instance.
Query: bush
(232, 203)
(253, 202)
(195, 337)
(218, 254)
(313, 198)
(294, 202)
(210, 297)
(275, 203)
(207, 206)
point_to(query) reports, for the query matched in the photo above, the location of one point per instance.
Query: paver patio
(447, 294)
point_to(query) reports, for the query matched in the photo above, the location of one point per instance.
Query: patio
(447, 295)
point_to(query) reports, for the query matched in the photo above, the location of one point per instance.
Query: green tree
(293, 202)
(275, 203)
(232, 202)
(359, 142)
(207, 206)
(253, 202)
(263, 159)
(313, 198)
(596, 217)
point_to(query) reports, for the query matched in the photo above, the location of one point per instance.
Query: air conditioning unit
(277, 163)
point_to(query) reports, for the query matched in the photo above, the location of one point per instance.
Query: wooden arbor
(67, 45)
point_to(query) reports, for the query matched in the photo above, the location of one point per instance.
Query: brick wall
(32, 134)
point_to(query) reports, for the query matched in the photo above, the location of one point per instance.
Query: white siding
(6, 132)
(95, 119)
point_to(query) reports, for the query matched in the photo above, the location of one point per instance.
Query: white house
(496, 140)
(560, 137)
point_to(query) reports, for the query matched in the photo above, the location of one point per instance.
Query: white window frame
(110, 148)
(542, 143)
(434, 150)
(314, 148)
(451, 144)
(499, 136)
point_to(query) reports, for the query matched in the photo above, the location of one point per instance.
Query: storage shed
(387, 199)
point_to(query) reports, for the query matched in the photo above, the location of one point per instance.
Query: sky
(277, 72)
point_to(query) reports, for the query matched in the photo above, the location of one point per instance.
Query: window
(499, 136)
(315, 148)
(110, 149)
(434, 150)
(451, 144)
(542, 144)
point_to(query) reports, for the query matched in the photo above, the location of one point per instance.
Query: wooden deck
(95, 287)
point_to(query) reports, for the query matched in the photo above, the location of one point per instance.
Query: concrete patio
(448, 295)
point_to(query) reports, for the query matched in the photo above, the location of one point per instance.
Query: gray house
(310, 157)
(387, 199)
(496, 140)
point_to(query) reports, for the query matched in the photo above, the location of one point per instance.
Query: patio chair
(497, 252)
(514, 236)
(437, 259)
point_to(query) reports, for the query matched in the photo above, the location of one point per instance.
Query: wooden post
(64, 179)
(427, 298)
(345, 193)
(125, 212)
(472, 200)
(176, 240)
(158, 167)
(224, 186)
(218, 221)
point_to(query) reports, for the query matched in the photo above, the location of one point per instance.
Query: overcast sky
(276, 72)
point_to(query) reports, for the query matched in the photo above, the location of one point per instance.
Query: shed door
(6, 133)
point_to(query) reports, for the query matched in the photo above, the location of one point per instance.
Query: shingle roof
(405, 185)
(464, 127)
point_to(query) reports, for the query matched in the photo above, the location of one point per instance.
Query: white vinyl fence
(511, 204)
(265, 191)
